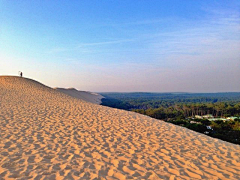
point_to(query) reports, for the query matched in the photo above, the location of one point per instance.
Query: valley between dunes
(46, 134)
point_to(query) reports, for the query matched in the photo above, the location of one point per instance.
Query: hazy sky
(125, 45)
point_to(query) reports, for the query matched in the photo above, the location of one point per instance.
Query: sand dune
(84, 95)
(45, 134)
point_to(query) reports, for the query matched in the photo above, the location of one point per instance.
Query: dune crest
(84, 95)
(45, 134)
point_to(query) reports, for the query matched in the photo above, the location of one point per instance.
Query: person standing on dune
(21, 74)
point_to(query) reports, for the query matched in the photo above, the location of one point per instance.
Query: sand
(84, 95)
(45, 134)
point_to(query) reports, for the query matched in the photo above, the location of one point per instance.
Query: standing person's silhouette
(21, 74)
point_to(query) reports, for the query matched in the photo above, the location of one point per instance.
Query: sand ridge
(45, 134)
(84, 95)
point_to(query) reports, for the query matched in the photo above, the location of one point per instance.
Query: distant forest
(177, 108)
(176, 104)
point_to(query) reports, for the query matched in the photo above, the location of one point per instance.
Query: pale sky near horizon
(123, 46)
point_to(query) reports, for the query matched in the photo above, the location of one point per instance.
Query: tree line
(178, 111)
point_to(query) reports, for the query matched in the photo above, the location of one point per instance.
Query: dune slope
(45, 134)
(84, 95)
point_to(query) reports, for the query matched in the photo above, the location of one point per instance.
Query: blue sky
(127, 45)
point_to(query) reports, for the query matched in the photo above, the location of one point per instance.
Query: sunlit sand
(47, 134)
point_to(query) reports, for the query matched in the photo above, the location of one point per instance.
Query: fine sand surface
(84, 95)
(45, 134)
